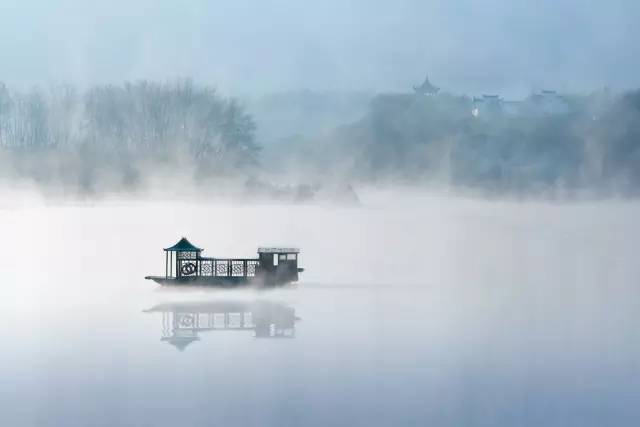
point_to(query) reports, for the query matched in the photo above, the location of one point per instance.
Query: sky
(253, 47)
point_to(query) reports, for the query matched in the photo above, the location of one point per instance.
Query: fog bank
(502, 313)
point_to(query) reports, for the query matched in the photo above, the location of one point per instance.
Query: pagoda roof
(183, 245)
(426, 87)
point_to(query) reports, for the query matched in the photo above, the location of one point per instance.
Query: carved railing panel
(188, 268)
(186, 255)
(222, 268)
(251, 268)
(206, 268)
(237, 268)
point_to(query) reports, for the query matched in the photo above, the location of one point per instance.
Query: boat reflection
(183, 321)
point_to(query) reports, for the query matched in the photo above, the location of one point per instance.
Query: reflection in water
(182, 321)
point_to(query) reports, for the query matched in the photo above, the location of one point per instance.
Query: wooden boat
(185, 265)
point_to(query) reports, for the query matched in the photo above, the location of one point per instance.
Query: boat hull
(220, 282)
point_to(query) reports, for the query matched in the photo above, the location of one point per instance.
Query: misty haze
(350, 213)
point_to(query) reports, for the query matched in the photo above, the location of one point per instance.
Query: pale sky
(253, 47)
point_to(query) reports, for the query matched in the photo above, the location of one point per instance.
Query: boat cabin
(184, 263)
(279, 262)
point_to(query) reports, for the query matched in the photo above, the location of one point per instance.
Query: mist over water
(462, 179)
(413, 309)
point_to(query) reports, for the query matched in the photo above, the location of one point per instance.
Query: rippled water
(412, 310)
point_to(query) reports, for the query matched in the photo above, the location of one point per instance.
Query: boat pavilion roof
(183, 245)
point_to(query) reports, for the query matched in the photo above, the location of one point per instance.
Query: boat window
(282, 257)
(291, 257)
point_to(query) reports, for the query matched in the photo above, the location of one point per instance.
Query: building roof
(183, 245)
(426, 87)
(278, 250)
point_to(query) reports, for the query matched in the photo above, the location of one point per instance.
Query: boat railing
(227, 267)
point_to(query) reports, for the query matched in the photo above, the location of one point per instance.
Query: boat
(185, 265)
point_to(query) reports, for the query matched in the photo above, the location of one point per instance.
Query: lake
(413, 309)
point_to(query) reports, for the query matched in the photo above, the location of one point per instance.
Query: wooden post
(177, 265)
(166, 264)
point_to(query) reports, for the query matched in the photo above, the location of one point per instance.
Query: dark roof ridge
(183, 245)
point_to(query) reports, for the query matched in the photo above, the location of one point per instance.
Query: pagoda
(426, 88)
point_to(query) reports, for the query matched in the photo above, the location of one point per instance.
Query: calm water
(413, 310)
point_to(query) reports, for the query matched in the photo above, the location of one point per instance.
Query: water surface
(412, 310)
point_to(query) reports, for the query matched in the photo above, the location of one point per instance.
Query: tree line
(159, 119)
(127, 131)
(593, 143)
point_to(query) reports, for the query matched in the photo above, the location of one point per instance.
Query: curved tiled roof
(183, 245)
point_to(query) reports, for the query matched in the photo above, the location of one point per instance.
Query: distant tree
(237, 134)
(6, 104)
(171, 119)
